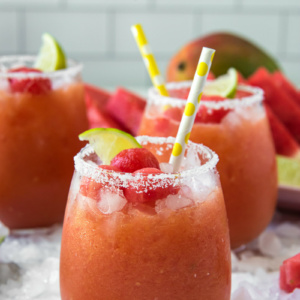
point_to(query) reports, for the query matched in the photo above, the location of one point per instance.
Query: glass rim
(94, 172)
(256, 97)
(73, 67)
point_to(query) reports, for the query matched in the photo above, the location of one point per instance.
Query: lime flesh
(51, 56)
(288, 171)
(108, 142)
(224, 86)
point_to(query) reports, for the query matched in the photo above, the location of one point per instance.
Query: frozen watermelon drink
(41, 115)
(135, 230)
(237, 130)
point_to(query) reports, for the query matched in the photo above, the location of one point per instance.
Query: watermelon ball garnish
(35, 86)
(91, 188)
(140, 192)
(290, 274)
(133, 159)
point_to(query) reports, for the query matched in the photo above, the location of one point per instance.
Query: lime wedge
(224, 86)
(288, 171)
(51, 56)
(108, 142)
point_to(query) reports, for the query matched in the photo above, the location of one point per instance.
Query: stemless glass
(173, 247)
(238, 131)
(41, 115)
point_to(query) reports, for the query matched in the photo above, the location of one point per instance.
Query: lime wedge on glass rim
(108, 142)
(224, 86)
(288, 171)
(51, 56)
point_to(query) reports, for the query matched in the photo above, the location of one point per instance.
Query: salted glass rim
(257, 96)
(73, 67)
(92, 171)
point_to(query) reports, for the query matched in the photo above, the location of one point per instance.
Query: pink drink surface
(242, 139)
(39, 137)
(141, 252)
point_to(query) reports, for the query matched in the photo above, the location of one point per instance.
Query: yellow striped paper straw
(149, 60)
(191, 107)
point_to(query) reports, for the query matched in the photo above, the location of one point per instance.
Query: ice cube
(110, 202)
(198, 188)
(4, 231)
(175, 202)
(289, 230)
(241, 293)
(269, 244)
(166, 167)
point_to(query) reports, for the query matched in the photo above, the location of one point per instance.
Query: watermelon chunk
(283, 83)
(95, 100)
(289, 278)
(100, 119)
(127, 108)
(283, 106)
(96, 95)
(284, 142)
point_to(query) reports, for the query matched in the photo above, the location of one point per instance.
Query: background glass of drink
(238, 131)
(173, 247)
(39, 131)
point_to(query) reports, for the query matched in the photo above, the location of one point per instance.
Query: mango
(231, 51)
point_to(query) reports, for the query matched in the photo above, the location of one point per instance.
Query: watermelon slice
(283, 83)
(285, 144)
(95, 100)
(289, 278)
(96, 95)
(98, 118)
(127, 108)
(283, 106)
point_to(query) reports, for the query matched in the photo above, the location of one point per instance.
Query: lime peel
(51, 56)
(224, 86)
(288, 171)
(108, 142)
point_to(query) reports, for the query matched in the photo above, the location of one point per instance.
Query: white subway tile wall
(97, 32)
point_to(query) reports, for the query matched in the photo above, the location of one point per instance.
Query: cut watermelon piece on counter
(95, 100)
(100, 119)
(289, 278)
(283, 106)
(126, 108)
(96, 95)
(283, 83)
(284, 142)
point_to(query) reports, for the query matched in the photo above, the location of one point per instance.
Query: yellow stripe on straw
(149, 60)
(191, 107)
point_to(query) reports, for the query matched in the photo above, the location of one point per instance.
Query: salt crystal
(110, 202)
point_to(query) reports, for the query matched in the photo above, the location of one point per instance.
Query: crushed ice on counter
(29, 264)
